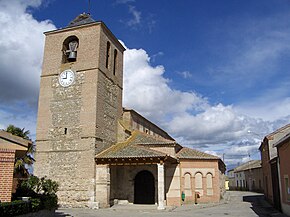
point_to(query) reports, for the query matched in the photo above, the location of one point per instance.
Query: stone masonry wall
(107, 111)
(76, 122)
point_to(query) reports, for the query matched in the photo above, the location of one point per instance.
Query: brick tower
(80, 102)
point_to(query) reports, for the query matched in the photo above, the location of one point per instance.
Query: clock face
(66, 78)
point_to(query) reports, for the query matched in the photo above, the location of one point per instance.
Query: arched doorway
(144, 188)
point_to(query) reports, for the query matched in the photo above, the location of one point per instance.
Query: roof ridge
(203, 155)
(278, 130)
(149, 149)
(123, 144)
(14, 138)
(154, 137)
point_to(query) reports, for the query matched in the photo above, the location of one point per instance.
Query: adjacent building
(283, 149)
(270, 167)
(99, 152)
(248, 176)
(11, 147)
(231, 178)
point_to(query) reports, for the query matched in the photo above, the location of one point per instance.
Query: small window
(115, 62)
(108, 54)
(209, 185)
(69, 49)
(198, 181)
(187, 182)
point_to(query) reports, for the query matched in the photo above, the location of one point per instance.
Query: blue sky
(208, 71)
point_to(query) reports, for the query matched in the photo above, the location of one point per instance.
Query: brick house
(283, 148)
(269, 159)
(11, 147)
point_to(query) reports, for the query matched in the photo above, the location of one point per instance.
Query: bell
(72, 55)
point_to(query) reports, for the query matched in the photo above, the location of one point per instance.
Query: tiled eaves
(188, 153)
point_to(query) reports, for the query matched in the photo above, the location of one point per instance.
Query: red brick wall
(6, 174)
(284, 153)
(203, 165)
(267, 182)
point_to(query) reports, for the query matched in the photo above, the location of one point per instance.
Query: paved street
(237, 204)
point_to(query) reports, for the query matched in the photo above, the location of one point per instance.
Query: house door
(144, 188)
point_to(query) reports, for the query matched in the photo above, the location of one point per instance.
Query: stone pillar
(103, 185)
(161, 186)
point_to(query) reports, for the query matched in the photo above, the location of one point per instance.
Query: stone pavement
(235, 204)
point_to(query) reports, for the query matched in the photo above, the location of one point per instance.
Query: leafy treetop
(18, 131)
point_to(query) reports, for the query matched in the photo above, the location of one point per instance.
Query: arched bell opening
(69, 49)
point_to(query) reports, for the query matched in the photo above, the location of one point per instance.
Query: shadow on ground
(261, 207)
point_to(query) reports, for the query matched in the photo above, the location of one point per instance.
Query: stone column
(161, 186)
(103, 185)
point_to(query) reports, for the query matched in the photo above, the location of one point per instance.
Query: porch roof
(188, 153)
(136, 148)
(9, 141)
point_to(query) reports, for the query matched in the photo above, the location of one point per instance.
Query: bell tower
(80, 102)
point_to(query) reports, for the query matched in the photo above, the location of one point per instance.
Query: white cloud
(147, 91)
(136, 16)
(185, 74)
(124, 1)
(189, 117)
(253, 51)
(154, 56)
(21, 45)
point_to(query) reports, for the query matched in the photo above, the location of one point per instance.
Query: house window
(209, 189)
(108, 54)
(198, 181)
(115, 61)
(187, 185)
(69, 49)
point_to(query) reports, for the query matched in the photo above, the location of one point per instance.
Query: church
(100, 153)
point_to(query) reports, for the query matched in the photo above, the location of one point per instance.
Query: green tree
(18, 131)
(26, 159)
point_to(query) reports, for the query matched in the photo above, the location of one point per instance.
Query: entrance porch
(130, 182)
